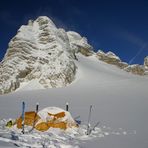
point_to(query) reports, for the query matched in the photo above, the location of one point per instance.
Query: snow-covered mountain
(41, 52)
(44, 56)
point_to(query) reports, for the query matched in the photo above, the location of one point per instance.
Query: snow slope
(119, 101)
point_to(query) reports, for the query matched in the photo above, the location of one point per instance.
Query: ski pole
(23, 116)
(88, 124)
(36, 112)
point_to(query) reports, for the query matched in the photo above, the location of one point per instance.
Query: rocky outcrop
(135, 69)
(79, 44)
(146, 62)
(108, 57)
(146, 65)
(43, 52)
(112, 59)
(122, 65)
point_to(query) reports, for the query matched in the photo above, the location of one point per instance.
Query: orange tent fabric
(30, 118)
(51, 117)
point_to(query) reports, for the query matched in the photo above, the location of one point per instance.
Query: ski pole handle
(37, 107)
(67, 106)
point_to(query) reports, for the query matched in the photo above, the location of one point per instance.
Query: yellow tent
(48, 117)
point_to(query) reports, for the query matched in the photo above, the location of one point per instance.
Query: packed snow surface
(119, 101)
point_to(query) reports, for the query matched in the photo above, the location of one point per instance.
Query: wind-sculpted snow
(42, 52)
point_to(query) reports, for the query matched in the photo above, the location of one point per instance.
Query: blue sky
(118, 26)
